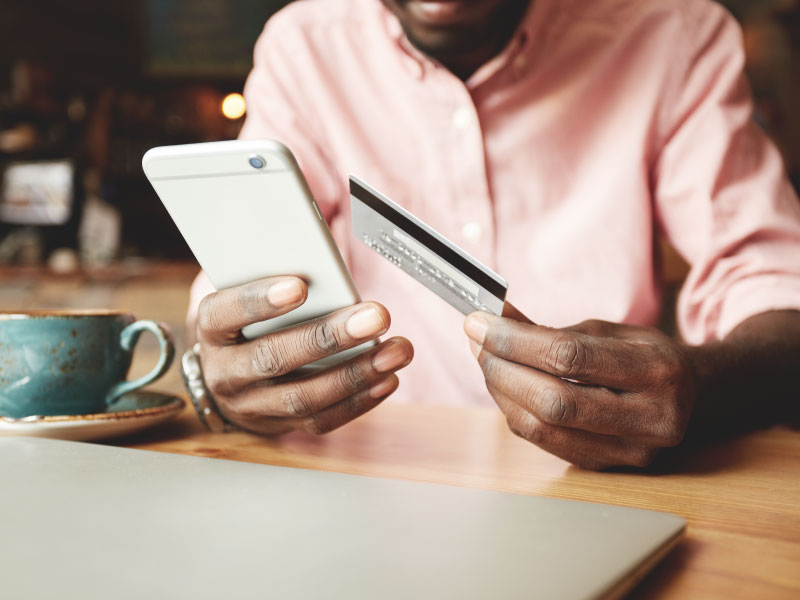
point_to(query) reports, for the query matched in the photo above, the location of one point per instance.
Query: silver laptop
(91, 521)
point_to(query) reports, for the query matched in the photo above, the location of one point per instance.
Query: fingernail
(285, 292)
(365, 323)
(389, 358)
(476, 327)
(385, 387)
(475, 347)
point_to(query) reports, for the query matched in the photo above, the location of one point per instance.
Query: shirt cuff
(756, 295)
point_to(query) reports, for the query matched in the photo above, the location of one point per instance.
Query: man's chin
(448, 26)
(440, 42)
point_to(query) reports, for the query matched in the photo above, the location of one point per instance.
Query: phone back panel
(244, 224)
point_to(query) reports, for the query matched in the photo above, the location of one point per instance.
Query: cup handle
(127, 339)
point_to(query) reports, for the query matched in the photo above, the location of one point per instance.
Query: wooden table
(741, 498)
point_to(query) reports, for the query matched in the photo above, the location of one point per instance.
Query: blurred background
(87, 86)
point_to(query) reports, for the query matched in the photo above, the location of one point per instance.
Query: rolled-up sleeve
(720, 189)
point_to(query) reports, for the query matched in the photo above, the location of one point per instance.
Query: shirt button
(472, 232)
(461, 117)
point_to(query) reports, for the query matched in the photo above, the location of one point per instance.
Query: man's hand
(597, 394)
(246, 377)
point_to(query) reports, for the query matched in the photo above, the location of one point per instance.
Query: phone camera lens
(257, 162)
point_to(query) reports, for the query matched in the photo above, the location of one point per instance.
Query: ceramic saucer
(133, 412)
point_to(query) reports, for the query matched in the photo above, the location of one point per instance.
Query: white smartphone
(246, 212)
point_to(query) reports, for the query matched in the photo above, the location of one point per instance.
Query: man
(549, 138)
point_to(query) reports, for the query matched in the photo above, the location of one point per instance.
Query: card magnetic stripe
(394, 234)
(491, 282)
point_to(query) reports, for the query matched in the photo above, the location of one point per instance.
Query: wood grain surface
(740, 497)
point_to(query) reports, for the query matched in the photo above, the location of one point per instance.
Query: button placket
(473, 211)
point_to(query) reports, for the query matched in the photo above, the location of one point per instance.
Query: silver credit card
(426, 255)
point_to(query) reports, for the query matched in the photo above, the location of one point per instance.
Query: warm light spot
(233, 106)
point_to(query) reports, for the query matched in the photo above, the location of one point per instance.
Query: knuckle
(662, 372)
(666, 367)
(671, 438)
(670, 419)
(209, 314)
(353, 377)
(567, 355)
(528, 428)
(266, 359)
(596, 328)
(252, 299)
(553, 405)
(489, 365)
(217, 382)
(317, 425)
(323, 337)
(670, 431)
(296, 403)
(641, 457)
(675, 371)
(534, 433)
(592, 326)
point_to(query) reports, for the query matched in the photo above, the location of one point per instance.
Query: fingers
(607, 361)
(328, 419)
(582, 448)
(597, 394)
(350, 408)
(223, 314)
(304, 398)
(560, 403)
(245, 376)
(235, 367)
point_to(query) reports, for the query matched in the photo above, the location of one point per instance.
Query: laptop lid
(91, 521)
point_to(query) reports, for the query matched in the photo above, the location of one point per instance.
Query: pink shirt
(553, 164)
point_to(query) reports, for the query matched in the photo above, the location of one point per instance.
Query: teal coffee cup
(71, 362)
